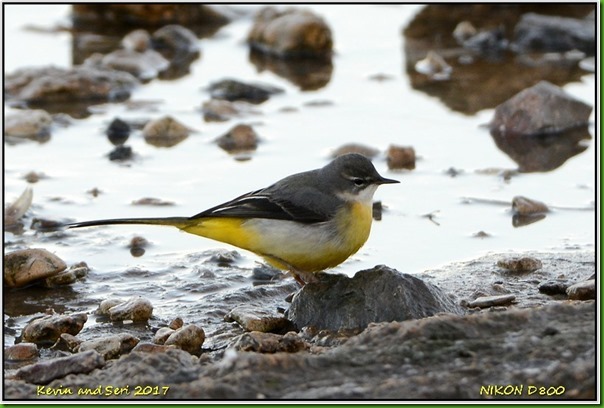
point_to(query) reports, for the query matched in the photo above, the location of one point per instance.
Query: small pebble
(240, 138)
(520, 264)
(401, 157)
(118, 131)
(254, 320)
(165, 132)
(121, 153)
(152, 201)
(526, 206)
(162, 334)
(490, 301)
(176, 324)
(188, 338)
(137, 246)
(135, 309)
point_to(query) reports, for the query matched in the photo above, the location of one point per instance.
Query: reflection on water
(539, 153)
(484, 76)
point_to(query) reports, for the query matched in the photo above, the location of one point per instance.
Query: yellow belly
(291, 245)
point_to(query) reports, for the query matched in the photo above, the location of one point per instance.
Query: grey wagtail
(304, 223)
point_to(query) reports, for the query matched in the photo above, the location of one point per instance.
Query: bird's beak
(383, 180)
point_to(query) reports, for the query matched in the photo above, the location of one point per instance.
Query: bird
(304, 223)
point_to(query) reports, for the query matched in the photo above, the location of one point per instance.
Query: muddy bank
(537, 340)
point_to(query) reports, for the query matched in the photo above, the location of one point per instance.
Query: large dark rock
(46, 371)
(380, 294)
(541, 109)
(537, 32)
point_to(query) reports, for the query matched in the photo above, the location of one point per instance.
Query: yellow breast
(288, 244)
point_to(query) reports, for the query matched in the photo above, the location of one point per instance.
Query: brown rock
(31, 124)
(583, 290)
(152, 348)
(49, 328)
(291, 33)
(21, 351)
(526, 206)
(135, 308)
(401, 157)
(46, 371)
(520, 264)
(165, 132)
(29, 265)
(188, 338)
(110, 347)
(240, 138)
(541, 109)
(257, 320)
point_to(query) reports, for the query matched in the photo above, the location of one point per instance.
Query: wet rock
(152, 348)
(401, 157)
(434, 66)
(85, 15)
(121, 153)
(21, 351)
(137, 246)
(162, 334)
(260, 342)
(138, 40)
(176, 324)
(48, 329)
(441, 357)
(357, 148)
(583, 290)
(17, 209)
(552, 287)
(50, 85)
(308, 74)
(541, 109)
(106, 305)
(175, 39)
(491, 301)
(520, 264)
(165, 132)
(68, 276)
(46, 371)
(67, 342)
(290, 32)
(145, 65)
(32, 124)
(188, 338)
(252, 319)
(136, 309)
(240, 138)
(33, 177)
(233, 90)
(488, 42)
(372, 295)
(526, 206)
(218, 110)
(110, 347)
(26, 266)
(545, 33)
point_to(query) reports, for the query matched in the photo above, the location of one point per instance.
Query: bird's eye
(358, 181)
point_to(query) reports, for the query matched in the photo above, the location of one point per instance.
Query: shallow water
(197, 174)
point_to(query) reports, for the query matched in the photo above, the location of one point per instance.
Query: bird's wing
(264, 204)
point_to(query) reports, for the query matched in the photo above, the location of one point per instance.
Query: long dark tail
(178, 222)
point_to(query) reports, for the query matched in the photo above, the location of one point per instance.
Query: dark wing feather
(262, 204)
